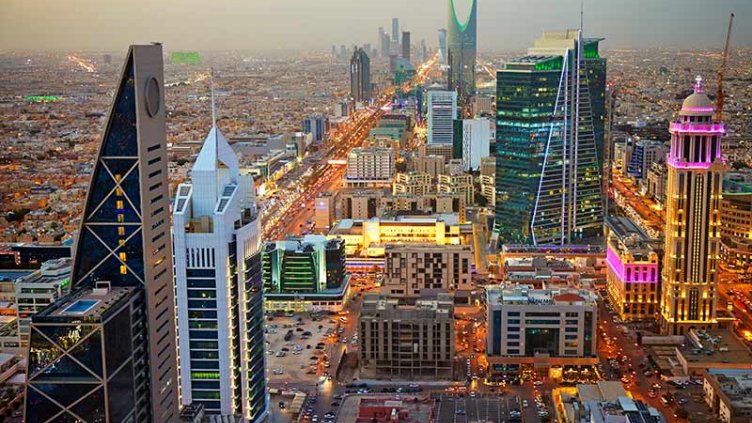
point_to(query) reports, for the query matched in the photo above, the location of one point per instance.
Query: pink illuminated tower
(693, 196)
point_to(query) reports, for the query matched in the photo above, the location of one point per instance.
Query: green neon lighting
(457, 23)
(43, 98)
(185, 57)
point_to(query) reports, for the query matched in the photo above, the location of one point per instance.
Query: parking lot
(459, 409)
(303, 356)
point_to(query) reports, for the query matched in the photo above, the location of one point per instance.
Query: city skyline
(667, 23)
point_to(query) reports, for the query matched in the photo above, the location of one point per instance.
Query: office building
(736, 231)
(633, 272)
(432, 165)
(370, 166)
(462, 51)
(693, 221)
(548, 182)
(644, 154)
(106, 351)
(472, 142)
(407, 342)
(483, 105)
(727, 394)
(219, 295)
(317, 126)
(488, 189)
(442, 111)
(656, 182)
(395, 31)
(343, 108)
(324, 206)
(412, 268)
(305, 274)
(406, 45)
(360, 76)
(548, 328)
(37, 291)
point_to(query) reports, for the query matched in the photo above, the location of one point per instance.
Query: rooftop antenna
(582, 13)
(213, 107)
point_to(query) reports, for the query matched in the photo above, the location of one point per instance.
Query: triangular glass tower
(119, 365)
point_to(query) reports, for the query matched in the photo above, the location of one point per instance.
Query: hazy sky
(260, 25)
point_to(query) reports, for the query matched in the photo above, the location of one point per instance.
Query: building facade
(548, 176)
(474, 142)
(369, 166)
(736, 231)
(462, 51)
(120, 365)
(219, 292)
(633, 272)
(406, 45)
(317, 126)
(411, 268)
(442, 111)
(407, 342)
(727, 394)
(693, 222)
(549, 327)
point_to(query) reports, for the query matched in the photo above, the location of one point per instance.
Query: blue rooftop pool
(80, 306)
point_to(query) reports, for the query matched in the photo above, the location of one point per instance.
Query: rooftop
(86, 303)
(715, 348)
(736, 385)
(527, 294)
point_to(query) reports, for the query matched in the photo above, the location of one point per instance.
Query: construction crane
(722, 70)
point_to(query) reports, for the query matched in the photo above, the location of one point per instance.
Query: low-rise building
(325, 205)
(736, 230)
(38, 290)
(457, 184)
(413, 183)
(633, 276)
(728, 393)
(604, 401)
(657, 178)
(430, 164)
(407, 342)
(412, 268)
(549, 328)
(305, 274)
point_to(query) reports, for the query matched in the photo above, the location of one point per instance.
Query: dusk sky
(263, 25)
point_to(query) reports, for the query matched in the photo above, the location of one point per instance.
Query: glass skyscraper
(548, 182)
(219, 288)
(461, 52)
(106, 351)
(360, 75)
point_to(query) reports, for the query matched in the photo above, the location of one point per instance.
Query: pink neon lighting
(642, 272)
(714, 128)
(698, 109)
(688, 165)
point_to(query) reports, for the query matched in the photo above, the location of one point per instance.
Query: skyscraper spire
(213, 107)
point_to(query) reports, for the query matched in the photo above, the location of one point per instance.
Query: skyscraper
(693, 202)
(384, 44)
(360, 75)
(547, 176)
(442, 46)
(395, 31)
(442, 110)
(406, 45)
(219, 290)
(106, 351)
(461, 52)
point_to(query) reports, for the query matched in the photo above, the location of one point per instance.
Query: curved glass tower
(461, 52)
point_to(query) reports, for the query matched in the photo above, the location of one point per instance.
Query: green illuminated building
(462, 51)
(548, 169)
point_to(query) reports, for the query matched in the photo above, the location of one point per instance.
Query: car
(334, 404)
(538, 383)
(524, 403)
(329, 415)
(281, 405)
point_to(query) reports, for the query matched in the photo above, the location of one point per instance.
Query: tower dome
(698, 103)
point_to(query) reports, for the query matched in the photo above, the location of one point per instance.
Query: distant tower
(461, 52)
(442, 111)
(106, 351)
(406, 45)
(442, 46)
(395, 31)
(360, 75)
(693, 200)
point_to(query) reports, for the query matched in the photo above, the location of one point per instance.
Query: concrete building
(604, 401)
(373, 166)
(693, 201)
(645, 153)
(406, 45)
(305, 274)
(442, 111)
(317, 126)
(736, 230)
(431, 164)
(412, 268)
(407, 342)
(413, 183)
(38, 290)
(461, 184)
(324, 209)
(488, 189)
(633, 272)
(656, 182)
(728, 394)
(550, 328)
(219, 291)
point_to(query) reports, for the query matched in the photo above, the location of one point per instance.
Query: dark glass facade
(461, 52)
